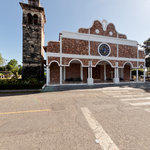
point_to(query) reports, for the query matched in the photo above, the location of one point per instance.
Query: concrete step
(54, 88)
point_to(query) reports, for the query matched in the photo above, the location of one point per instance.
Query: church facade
(94, 55)
(98, 54)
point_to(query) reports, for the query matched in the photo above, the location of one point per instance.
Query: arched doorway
(103, 72)
(54, 73)
(127, 72)
(74, 72)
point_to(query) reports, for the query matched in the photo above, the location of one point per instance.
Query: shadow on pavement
(18, 93)
(144, 86)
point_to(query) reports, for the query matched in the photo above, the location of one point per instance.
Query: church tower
(33, 39)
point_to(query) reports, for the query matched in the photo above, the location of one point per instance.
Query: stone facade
(33, 39)
(78, 57)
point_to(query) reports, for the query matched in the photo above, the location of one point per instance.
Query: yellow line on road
(28, 111)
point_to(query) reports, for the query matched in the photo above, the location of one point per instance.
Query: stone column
(90, 79)
(60, 75)
(47, 75)
(130, 75)
(116, 78)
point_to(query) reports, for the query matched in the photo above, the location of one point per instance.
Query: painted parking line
(105, 141)
(148, 110)
(140, 104)
(124, 96)
(22, 112)
(136, 99)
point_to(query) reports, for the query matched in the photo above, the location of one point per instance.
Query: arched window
(30, 19)
(35, 17)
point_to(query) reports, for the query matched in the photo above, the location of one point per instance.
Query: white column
(116, 78)
(104, 72)
(81, 71)
(47, 75)
(117, 72)
(137, 75)
(130, 75)
(91, 72)
(61, 60)
(64, 73)
(90, 79)
(60, 75)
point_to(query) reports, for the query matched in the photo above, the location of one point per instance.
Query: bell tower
(33, 39)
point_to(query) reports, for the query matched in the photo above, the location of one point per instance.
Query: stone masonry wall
(127, 73)
(73, 71)
(53, 47)
(94, 49)
(97, 26)
(141, 54)
(127, 51)
(54, 73)
(33, 38)
(72, 46)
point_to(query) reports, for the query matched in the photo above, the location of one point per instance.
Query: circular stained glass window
(104, 50)
(97, 31)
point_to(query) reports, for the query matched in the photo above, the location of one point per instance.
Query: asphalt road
(95, 119)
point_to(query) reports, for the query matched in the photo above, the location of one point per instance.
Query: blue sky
(130, 17)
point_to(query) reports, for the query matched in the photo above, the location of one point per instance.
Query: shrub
(141, 72)
(10, 84)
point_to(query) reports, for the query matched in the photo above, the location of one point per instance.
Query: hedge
(140, 71)
(14, 84)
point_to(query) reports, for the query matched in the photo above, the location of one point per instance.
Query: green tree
(147, 46)
(147, 52)
(13, 67)
(1, 60)
(12, 64)
(20, 70)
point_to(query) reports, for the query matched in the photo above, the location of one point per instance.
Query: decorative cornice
(49, 54)
(98, 38)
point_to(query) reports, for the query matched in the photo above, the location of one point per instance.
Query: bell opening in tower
(34, 2)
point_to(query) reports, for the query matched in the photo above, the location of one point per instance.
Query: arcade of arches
(76, 73)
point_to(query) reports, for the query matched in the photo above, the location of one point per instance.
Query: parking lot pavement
(110, 118)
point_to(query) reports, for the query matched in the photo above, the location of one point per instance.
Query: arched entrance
(54, 73)
(103, 72)
(127, 72)
(74, 72)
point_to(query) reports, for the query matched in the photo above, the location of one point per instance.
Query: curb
(20, 91)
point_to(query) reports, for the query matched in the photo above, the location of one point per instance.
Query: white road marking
(130, 95)
(104, 140)
(122, 96)
(148, 110)
(136, 99)
(126, 96)
(140, 104)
